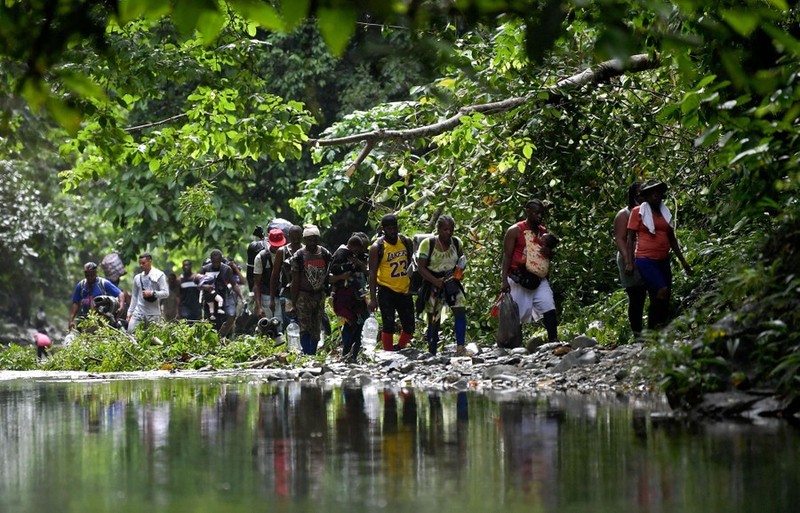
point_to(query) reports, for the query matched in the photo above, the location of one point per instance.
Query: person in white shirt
(149, 288)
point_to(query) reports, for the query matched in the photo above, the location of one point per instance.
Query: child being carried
(209, 295)
(537, 262)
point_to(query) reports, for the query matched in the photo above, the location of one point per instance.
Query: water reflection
(216, 445)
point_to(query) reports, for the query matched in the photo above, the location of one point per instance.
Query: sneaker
(461, 351)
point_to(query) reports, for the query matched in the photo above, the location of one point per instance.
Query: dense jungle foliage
(180, 130)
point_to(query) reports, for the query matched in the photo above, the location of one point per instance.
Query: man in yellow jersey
(389, 261)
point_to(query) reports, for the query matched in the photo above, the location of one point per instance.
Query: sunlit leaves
(197, 205)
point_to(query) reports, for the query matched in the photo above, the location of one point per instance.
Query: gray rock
(582, 341)
(588, 357)
(576, 358)
(496, 352)
(452, 377)
(505, 377)
(497, 370)
(548, 347)
(509, 360)
(535, 343)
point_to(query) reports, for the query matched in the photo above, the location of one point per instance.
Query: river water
(246, 445)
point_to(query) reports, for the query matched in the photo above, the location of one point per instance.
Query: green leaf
(260, 12)
(780, 4)
(753, 151)
(708, 136)
(130, 10)
(527, 150)
(198, 15)
(294, 12)
(337, 26)
(784, 38)
(64, 114)
(742, 21)
(82, 85)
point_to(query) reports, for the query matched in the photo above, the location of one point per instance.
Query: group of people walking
(290, 276)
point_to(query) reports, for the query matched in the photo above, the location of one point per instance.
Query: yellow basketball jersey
(393, 267)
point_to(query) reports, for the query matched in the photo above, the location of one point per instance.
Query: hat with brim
(310, 231)
(653, 186)
(276, 238)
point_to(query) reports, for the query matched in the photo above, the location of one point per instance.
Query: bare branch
(361, 156)
(602, 73)
(155, 123)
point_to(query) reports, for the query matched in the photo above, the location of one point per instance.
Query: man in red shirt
(533, 296)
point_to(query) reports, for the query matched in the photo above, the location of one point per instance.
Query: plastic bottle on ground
(293, 337)
(369, 334)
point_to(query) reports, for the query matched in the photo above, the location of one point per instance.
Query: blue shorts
(656, 274)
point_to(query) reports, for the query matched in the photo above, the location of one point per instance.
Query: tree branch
(602, 73)
(155, 123)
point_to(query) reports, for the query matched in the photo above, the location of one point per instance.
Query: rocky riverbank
(580, 366)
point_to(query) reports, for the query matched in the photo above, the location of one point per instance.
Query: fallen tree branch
(602, 73)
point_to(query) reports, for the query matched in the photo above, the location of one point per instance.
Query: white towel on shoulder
(647, 216)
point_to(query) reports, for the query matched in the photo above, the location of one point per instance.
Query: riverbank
(580, 366)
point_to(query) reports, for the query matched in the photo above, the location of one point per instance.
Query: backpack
(416, 278)
(266, 266)
(86, 292)
(113, 267)
(101, 282)
(286, 269)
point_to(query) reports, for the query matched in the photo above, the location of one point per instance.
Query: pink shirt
(42, 340)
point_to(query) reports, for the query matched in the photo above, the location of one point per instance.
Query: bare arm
(630, 248)
(72, 312)
(238, 291)
(673, 243)
(621, 232)
(121, 299)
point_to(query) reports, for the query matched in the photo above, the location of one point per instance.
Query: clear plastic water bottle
(369, 334)
(293, 337)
